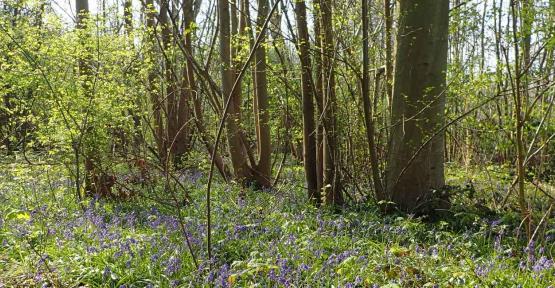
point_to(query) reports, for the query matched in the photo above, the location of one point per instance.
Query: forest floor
(265, 239)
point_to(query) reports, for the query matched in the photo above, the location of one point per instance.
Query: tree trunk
(169, 101)
(82, 12)
(318, 96)
(416, 165)
(331, 180)
(368, 111)
(519, 118)
(238, 153)
(263, 169)
(191, 89)
(178, 112)
(309, 128)
(388, 50)
(156, 102)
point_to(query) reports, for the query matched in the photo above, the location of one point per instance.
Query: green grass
(266, 239)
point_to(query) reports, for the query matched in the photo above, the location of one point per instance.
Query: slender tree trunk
(263, 169)
(309, 128)
(190, 87)
(319, 98)
(368, 111)
(169, 101)
(527, 15)
(236, 150)
(519, 123)
(331, 180)
(388, 50)
(156, 102)
(82, 12)
(178, 101)
(415, 166)
(133, 112)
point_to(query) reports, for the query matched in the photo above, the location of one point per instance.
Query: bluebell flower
(542, 264)
(482, 270)
(224, 275)
(272, 275)
(172, 265)
(106, 273)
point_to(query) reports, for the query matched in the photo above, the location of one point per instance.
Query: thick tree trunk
(309, 128)
(416, 166)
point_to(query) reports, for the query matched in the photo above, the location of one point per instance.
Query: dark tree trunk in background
(416, 166)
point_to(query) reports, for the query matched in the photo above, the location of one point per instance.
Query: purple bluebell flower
(272, 275)
(172, 265)
(482, 270)
(433, 251)
(224, 275)
(106, 273)
(542, 264)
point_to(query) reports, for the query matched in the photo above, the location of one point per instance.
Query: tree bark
(388, 50)
(414, 170)
(331, 179)
(368, 111)
(309, 128)
(263, 169)
(319, 98)
(236, 150)
(156, 102)
(82, 12)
